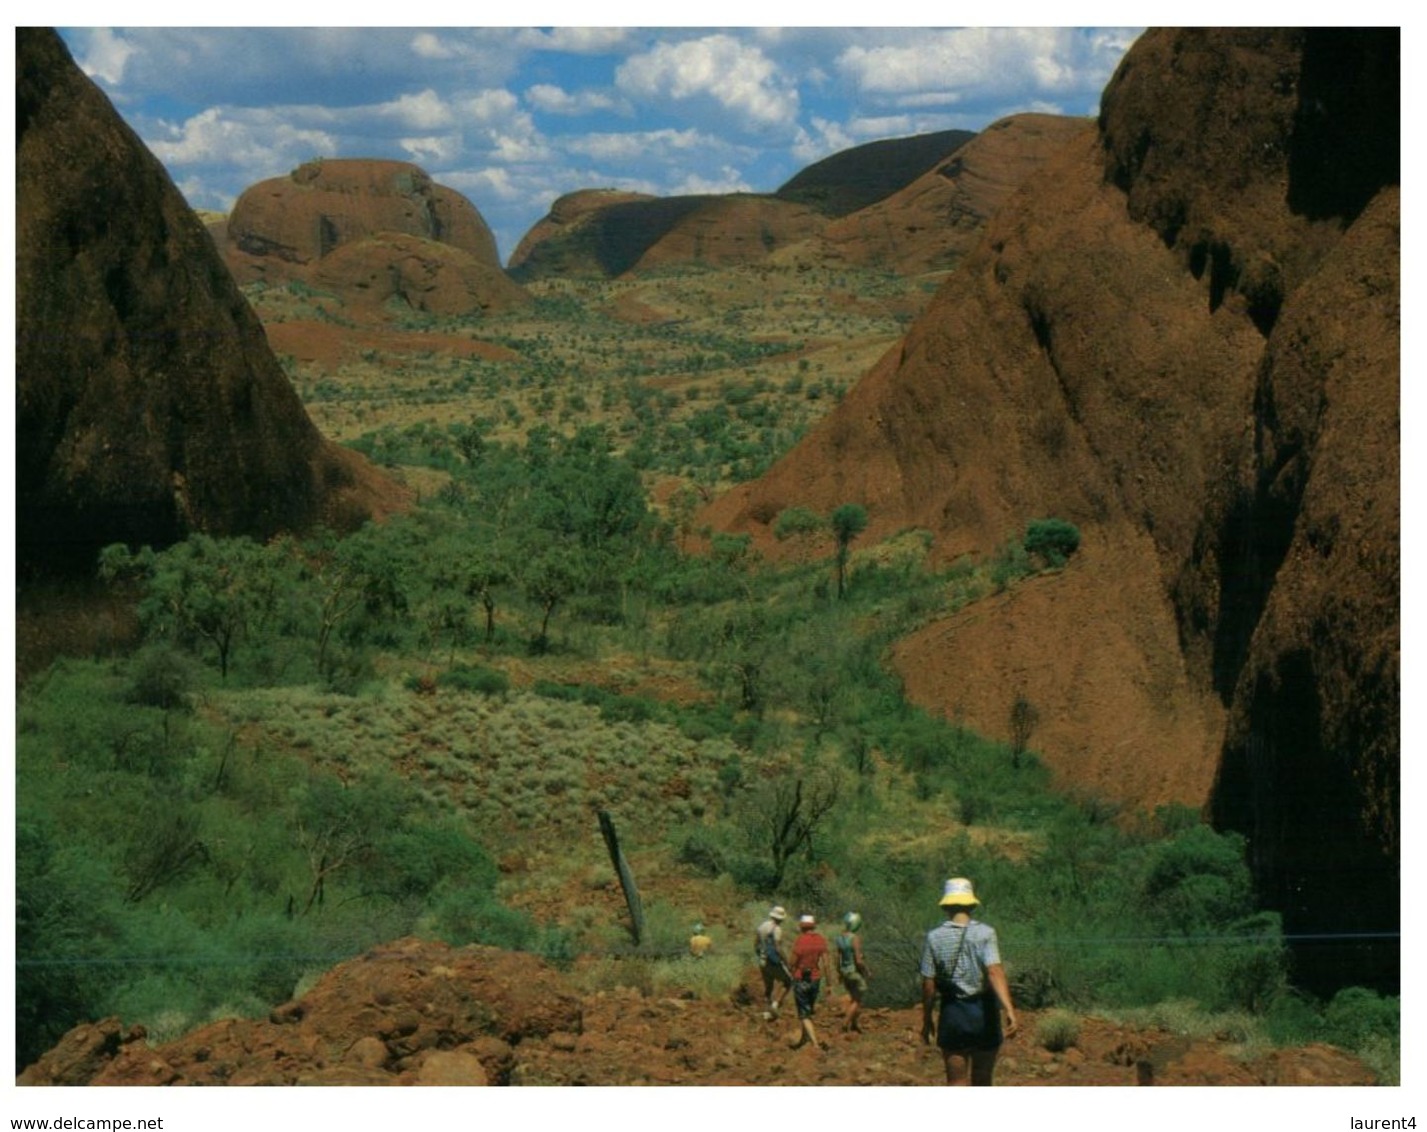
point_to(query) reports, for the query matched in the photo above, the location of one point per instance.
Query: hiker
(699, 943)
(767, 943)
(852, 969)
(961, 963)
(809, 962)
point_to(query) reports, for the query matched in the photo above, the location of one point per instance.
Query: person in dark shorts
(810, 965)
(852, 969)
(961, 965)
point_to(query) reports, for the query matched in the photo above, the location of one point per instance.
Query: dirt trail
(416, 1012)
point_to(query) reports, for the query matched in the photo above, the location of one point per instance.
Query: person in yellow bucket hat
(961, 966)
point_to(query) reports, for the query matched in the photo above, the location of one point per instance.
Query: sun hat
(958, 891)
(852, 921)
(699, 928)
(807, 920)
(778, 912)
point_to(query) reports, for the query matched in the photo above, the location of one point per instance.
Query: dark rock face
(605, 234)
(624, 234)
(932, 222)
(856, 178)
(1182, 335)
(148, 402)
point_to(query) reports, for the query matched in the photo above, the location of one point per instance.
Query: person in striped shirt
(961, 965)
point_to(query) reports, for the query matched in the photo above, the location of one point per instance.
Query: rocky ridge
(416, 1012)
(370, 231)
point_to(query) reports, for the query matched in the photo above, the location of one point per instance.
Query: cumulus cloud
(490, 106)
(428, 45)
(432, 151)
(424, 111)
(643, 144)
(104, 55)
(577, 41)
(727, 180)
(737, 76)
(551, 99)
(824, 139)
(254, 140)
(1047, 61)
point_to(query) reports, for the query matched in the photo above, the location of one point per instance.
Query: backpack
(770, 948)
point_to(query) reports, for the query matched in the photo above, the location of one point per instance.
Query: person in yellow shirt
(699, 943)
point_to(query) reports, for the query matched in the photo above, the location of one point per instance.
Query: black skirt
(970, 1024)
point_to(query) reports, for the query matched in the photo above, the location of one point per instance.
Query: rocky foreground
(418, 1012)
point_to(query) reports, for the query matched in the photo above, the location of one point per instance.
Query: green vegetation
(322, 743)
(1052, 540)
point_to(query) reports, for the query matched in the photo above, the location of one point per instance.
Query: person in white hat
(768, 946)
(961, 965)
(811, 969)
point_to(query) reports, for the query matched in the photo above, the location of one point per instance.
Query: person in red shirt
(810, 964)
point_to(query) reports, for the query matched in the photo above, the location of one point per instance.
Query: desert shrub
(162, 677)
(1011, 561)
(1356, 1016)
(1198, 881)
(468, 915)
(712, 976)
(1051, 540)
(416, 861)
(1057, 1031)
(475, 678)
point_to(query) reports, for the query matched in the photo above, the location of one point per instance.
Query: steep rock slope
(604, 233)
(148, 402)
(566, 240)
(372, 230)
(853, 179)
(631, 234)
(932, 222)
(1182, 336)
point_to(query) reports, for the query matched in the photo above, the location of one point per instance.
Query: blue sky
(514, 117)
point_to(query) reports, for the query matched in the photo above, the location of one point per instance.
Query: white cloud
(552, 99)
(105, 56)
(577, 41)
(637, 144)
(434, 150)
(728, 180)
(490, 182)
(736, 75)
(519, 148)
(490, 106)
(256, 140)
(424, 111)
(827, 138)
(991, 60)
(430, 46)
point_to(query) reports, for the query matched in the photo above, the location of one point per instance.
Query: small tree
(786, 814)
(487, 572)
(1024, 719)
(848, 521)
(1051, 540)
(201, 589)
(548, 578)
